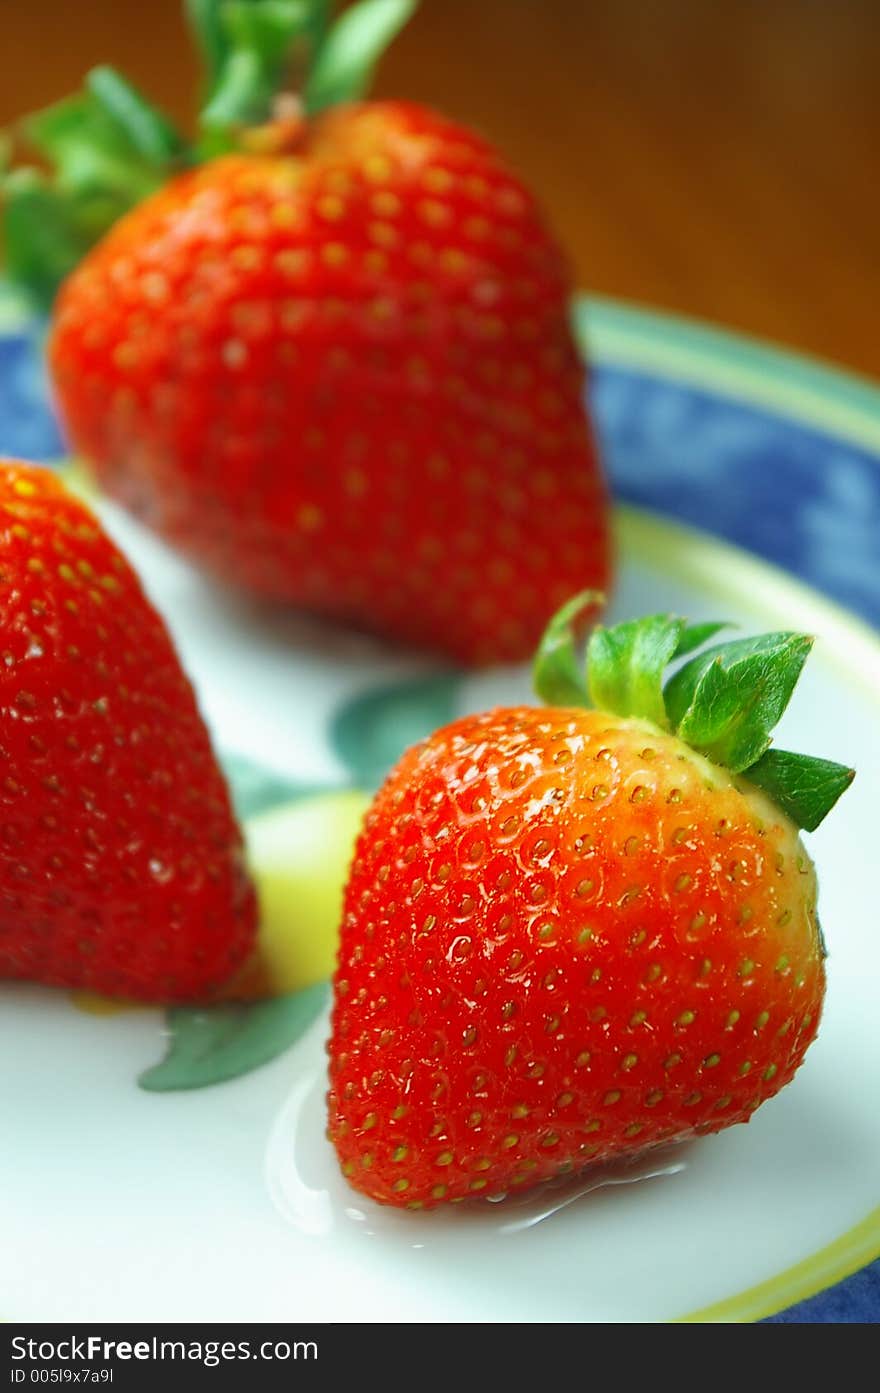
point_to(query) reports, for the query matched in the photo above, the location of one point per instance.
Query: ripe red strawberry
(121, 865)
(569, 935)
(335, 367)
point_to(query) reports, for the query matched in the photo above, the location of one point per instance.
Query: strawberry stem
(626, 663)
(257, 42)
(107, 148)
(146, 129)
(343, 66)
(557, 673)
(724, 702)
(219, 26)
(803, 787)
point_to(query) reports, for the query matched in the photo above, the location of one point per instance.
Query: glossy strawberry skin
(566, 938)
(345, 379)
(121, 866)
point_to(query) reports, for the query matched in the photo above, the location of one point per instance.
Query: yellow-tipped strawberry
(576, 931)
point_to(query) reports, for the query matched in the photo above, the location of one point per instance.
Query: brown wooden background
(715, 157)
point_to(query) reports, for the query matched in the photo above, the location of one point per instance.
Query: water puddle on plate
(308, 1190)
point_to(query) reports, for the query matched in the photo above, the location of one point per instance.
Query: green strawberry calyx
(106, 148)
(723, 701)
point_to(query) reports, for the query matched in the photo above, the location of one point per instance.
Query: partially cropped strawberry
(333, 362)
(121, 866)
(571, 934)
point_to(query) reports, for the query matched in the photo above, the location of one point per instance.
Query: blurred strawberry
(332, 362)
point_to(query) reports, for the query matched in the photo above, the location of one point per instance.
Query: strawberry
(572, 934)
(332, 363)
(121, 866)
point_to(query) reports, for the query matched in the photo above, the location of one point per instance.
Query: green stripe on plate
(735, 577)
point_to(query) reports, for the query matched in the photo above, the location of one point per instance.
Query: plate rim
(854, 646)
(684, 550)
(737, 365)
(806, 391)
(821, 1271)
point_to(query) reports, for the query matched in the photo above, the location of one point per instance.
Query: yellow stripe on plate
(732, 576)
(846, 1255)
(736, 577)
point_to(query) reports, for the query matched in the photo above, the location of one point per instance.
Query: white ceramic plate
(225, 1203)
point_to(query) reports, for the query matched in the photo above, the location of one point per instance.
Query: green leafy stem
(724, 702)
(106, 148)
(212, 1045)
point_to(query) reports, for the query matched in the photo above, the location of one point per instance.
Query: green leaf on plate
(209, 1045)
(256, 788)
(371, 732)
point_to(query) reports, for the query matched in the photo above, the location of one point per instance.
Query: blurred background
(714, 159)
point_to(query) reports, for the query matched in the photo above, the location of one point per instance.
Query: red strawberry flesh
(345, 379)
(121, 865)
(566, 938)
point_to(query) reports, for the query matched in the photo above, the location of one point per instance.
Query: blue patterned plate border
(772, 451)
